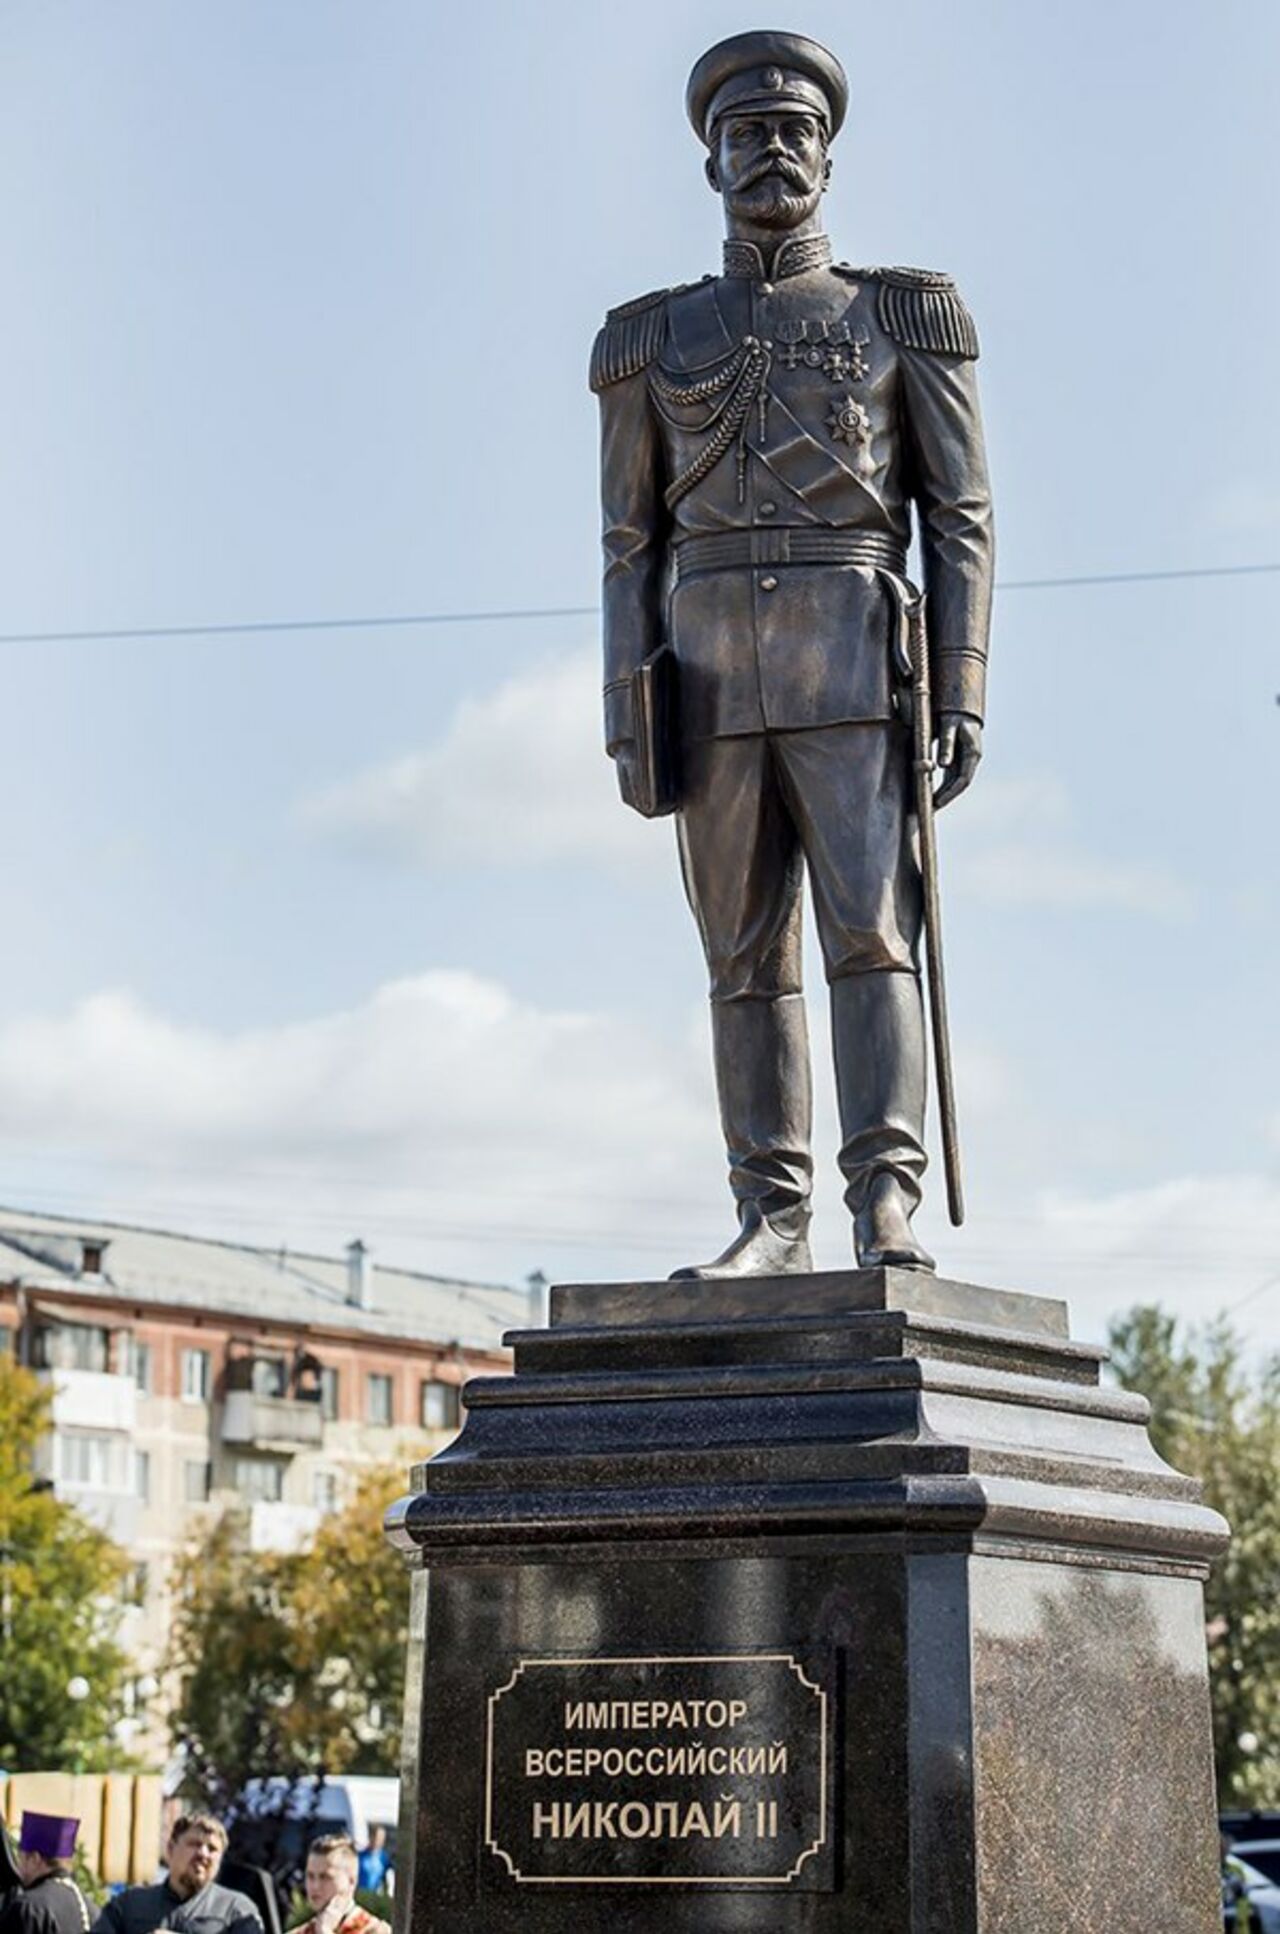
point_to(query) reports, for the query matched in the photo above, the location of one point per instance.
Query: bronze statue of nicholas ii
(767, 435)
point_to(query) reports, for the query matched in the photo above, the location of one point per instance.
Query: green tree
(351, 1602)
(1215, 1421)
(230, 1642)
(60, 1606)
(292, 1663)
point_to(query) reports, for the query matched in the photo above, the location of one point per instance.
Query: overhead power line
(1138, 577)
(379, 1225)
(1270, 1282)
(398, 621)
(385, 623)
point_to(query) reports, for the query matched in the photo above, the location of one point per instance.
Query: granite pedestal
(847, 1602)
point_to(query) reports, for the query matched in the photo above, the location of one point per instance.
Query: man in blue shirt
(374, 1862)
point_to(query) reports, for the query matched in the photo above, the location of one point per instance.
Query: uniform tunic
(768, 448)
(749, 426)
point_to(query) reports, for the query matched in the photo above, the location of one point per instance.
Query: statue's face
(771, 168)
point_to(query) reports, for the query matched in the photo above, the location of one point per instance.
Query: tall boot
(877, 1030)
(763, 1078)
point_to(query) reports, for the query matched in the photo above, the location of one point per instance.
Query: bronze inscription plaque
(680, 1772)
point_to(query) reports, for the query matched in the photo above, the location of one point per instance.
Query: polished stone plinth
(854, 1601)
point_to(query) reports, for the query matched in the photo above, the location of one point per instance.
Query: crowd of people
(190, 1898)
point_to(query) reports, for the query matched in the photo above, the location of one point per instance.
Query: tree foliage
(1214, 1420)
(292, 1663)
(60, 1605)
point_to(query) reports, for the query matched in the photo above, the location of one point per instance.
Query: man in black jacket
(188, 1900)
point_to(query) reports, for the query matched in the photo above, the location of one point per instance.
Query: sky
(334, 932)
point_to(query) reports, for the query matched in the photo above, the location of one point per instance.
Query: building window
(136, 1581)
(328, 1394)
(142, 1474)
(72, 1346)
(196, 1379)
(324, 1491)
(259, 1479)
(378, 1405)
(197, 1479)
(140, 1364)
(86, 1460)
(441, 1407)
(91, 1258)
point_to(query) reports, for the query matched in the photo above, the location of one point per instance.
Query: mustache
(790, 171)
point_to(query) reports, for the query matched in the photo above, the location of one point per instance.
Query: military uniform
(53, 1905)
(770, 438)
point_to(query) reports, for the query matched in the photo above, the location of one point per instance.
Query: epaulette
(630, 339)
(921, 308)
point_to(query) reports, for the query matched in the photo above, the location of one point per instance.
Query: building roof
(45, 1252)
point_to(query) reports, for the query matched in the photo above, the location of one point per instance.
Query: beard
(773, 201)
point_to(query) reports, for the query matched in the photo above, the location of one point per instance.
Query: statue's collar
(793, 257)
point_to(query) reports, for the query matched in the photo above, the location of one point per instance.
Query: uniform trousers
(757, 812)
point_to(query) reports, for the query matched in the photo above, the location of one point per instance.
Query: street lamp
(78, 1690)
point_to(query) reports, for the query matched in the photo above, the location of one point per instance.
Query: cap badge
(772, 80)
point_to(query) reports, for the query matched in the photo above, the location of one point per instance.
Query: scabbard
(913, 656)
(923, 763)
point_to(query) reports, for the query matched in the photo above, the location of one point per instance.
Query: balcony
(92, 1400)
(115, 1512)
(285, 1424)
(280, 1527)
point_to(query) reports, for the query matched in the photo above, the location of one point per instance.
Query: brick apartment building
(190, 1376)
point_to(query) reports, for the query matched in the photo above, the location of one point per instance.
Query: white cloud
(1198, 1244)
(465, 1131)
(440, 1104)
(1028, 801)
(1010, 843)
(1248, 506)
(519, 776)
(1022, 873)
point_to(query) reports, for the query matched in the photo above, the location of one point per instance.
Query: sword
(924, 767)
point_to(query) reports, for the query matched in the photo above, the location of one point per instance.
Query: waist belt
(728, 550)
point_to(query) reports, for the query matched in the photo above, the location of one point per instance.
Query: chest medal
(848, 422)
(831, 347)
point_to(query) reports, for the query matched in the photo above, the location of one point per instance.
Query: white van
(351, 1803)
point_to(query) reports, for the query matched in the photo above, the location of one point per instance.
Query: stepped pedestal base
(842, 1602)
